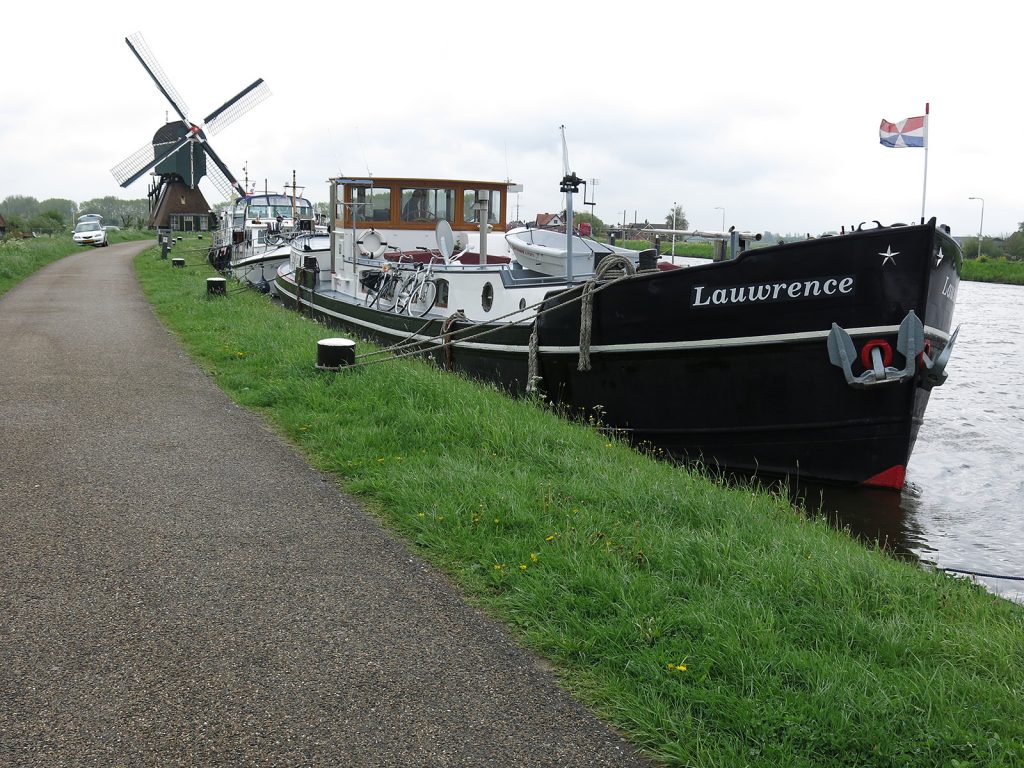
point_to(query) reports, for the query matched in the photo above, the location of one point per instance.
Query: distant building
(3, 226)
(550, 220)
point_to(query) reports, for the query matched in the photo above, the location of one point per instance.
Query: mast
(570, 185)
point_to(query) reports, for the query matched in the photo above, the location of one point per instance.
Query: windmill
(179, 149)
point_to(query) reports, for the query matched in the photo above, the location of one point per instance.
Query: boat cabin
(418, 204)
(269, 210)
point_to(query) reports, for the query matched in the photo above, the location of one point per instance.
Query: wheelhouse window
(272, 206)
(427, 205)
(472, 216)
(371, 204)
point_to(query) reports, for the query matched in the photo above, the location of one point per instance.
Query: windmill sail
(234, 108)
(152, 66)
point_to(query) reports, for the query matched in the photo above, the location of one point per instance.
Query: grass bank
(994, 271)
(712, 625)
(20, 258)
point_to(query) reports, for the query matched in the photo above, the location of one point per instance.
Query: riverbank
(994, 271)
(712, 625)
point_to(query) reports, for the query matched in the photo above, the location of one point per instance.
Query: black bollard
(334, 354)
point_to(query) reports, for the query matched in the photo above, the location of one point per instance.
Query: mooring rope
(533, 360)
(983, 575)
(608, 263)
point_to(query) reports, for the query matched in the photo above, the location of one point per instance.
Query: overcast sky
(769, 111)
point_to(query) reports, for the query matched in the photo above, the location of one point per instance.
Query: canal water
(963, 504)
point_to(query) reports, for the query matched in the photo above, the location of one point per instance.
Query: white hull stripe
(665, 346)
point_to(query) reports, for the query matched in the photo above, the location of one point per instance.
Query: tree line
(26, 215)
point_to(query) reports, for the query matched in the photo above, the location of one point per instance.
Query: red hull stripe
(893, 477)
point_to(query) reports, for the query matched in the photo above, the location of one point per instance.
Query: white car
(90, 233)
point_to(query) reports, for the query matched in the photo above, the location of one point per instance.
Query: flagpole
(924, 193)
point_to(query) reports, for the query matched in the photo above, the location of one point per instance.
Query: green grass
(714, 626)
(20, 258)
(695, 250)
(994, 271)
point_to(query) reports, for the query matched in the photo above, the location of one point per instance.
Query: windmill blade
(141, 160)
(234, 108)
(149, 62)
(220, 181)
(224, 181)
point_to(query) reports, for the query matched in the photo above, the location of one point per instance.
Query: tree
(16, 224)
(989, 248)
(19, 205)
(114, 210)
(1015, 244)
(68, 209)
(597, 227)
(47, 223)
(676, 218)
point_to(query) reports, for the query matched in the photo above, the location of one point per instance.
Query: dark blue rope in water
(983, 575)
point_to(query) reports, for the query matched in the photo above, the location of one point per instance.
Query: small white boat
(544, 251)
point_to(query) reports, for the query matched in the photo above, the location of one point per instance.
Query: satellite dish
(445, 239)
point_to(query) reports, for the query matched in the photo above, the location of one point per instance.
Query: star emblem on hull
(888, 254)
(939, 257)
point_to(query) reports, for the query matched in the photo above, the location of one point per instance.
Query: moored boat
(256, 233)
(812, 359)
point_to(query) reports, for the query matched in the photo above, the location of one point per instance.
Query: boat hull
(726, 363)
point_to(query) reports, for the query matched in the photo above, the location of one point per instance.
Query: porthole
(522, 303)
(487, 297)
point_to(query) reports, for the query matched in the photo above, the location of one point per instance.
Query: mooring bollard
(177, 262)
(334, 354)
(216, 286)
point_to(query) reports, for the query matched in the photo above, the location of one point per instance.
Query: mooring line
(983, 575)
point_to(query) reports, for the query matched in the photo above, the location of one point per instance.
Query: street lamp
(674, 206)
(720, 208)
(981, 225)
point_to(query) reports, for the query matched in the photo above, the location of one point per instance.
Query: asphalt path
(179, 588)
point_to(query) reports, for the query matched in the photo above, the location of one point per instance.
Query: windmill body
(177, 155)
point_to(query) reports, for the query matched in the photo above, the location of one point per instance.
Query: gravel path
(178, 588)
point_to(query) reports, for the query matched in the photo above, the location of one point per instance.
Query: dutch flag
(906, 133)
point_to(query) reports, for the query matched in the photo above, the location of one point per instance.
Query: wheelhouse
(256, 209)
(418, 204)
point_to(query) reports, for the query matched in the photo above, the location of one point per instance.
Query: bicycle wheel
(389, 293)
(426, 298)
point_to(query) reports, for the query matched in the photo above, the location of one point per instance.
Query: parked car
(90, 233)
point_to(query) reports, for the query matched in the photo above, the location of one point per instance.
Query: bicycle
(418, 289)
(383, 288)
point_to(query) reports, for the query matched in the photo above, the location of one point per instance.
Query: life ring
(880, 344)
(371, 244)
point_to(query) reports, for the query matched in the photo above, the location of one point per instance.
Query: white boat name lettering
(949, 290)
(703, 296)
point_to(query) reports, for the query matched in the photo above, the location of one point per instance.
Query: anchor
(935, 370)
(909, 342)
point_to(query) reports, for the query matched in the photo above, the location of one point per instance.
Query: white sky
(768, 110)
